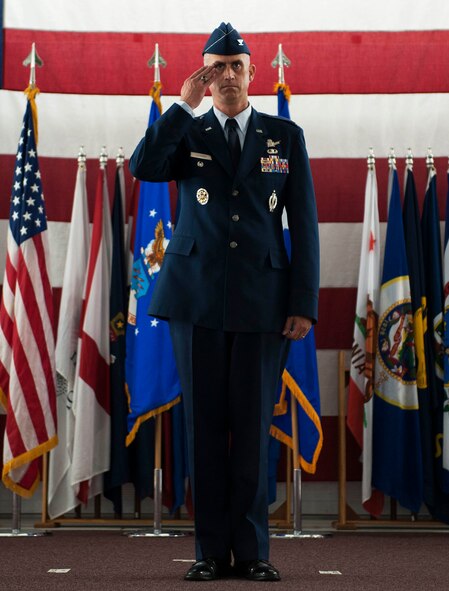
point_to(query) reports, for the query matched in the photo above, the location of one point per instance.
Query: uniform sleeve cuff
(187, 108)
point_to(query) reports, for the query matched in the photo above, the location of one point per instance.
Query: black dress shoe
(207, 569)
(257, 570)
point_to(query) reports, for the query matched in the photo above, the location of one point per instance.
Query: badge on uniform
(274, 164)
(272, 201)
(202, 196)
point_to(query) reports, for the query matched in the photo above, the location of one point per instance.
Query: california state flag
(91, 403)
(361, 384)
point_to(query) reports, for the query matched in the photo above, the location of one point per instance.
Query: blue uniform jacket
(226, 266)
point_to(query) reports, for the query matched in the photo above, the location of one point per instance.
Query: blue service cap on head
(225, 40)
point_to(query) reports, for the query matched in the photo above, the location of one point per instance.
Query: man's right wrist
(187, 108)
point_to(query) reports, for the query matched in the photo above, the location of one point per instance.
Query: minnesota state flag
(397, 462)
(151, 376)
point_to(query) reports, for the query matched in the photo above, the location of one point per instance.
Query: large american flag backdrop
(363, 74)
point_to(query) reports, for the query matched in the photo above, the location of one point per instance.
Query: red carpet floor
(109, 561)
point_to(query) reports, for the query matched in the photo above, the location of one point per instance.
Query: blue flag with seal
(299, 382)
(397, 461)
(151, 376)
(425, 379)
(446, 349)
(438, 501)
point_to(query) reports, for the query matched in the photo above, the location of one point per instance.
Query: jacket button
(235, 193)
(233, 244)
(235, 218)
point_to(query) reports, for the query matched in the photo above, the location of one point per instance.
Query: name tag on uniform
(274, 164)
(200, 156)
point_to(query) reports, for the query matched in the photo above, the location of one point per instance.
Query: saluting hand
(194, 88)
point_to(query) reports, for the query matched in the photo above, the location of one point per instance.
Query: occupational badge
(202, 196)
(272, 201)
(272, 143)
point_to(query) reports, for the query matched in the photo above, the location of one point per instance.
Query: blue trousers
(229, 382)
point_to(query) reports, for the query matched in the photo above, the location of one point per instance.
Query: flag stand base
(297, 535)
(157, 527)
(156, 534)
(16, 531)
(24, 534)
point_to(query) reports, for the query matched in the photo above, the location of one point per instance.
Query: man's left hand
(296, 327)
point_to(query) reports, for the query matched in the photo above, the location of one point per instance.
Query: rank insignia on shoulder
(274, 164)
(202, 196)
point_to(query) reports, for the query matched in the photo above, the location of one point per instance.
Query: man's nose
(229, 72)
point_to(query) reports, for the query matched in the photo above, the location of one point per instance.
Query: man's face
(234, 74)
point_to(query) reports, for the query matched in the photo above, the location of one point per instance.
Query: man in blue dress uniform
(233, 298)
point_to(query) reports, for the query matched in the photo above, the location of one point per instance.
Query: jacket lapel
(254, 147)
(214, 137)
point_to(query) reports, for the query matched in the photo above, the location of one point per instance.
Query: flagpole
(281, 61)
(32, 59)
(156, 61)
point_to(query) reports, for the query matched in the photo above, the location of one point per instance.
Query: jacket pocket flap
(180, 245)
(278, 259)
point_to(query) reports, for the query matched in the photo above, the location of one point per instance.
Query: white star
(169, 225)
(38, 174)
(23, 230)
(16, 200)
(27, 216)
(15, 215)
(31, 153)
(16, 186)
(19, 156)
(42, 197)
(18, 171)
(29, 132)
(35, 189)
(25, 181)
(154, 322)
(153, 213)
(40, 209)
(30, 201)
(38, 223)
(21, 140)
(136, 331)
(28, 167)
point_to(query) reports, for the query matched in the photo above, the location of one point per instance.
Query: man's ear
(252, 72)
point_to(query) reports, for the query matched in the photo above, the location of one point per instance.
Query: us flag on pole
(27, 367)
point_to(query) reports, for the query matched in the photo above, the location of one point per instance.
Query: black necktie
(233, 141)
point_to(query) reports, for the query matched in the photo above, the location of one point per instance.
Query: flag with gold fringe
(151, 376)
(300, 377)
(27, 348)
